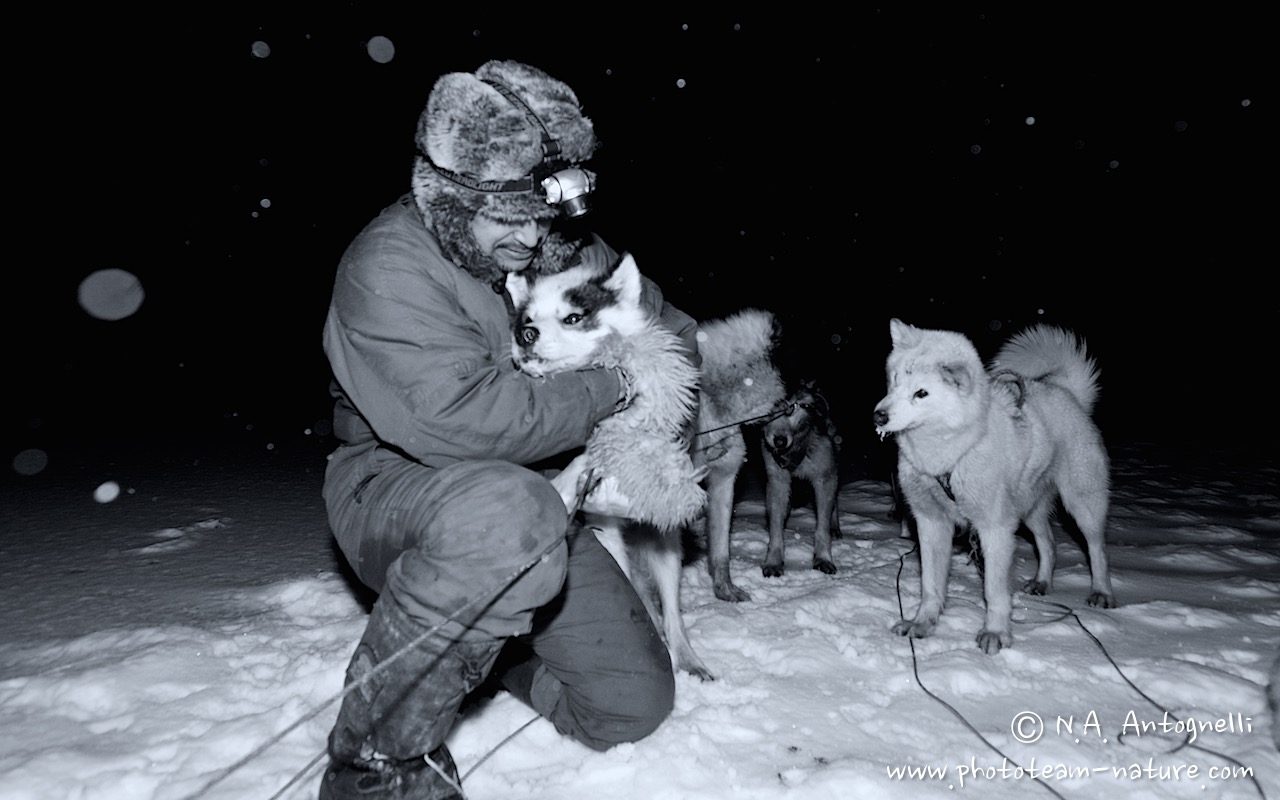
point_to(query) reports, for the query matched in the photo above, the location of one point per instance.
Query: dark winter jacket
(421, 357)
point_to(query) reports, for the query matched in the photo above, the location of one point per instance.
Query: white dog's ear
(900, 333)
(958, 375)
(625, 280)
(518, 288)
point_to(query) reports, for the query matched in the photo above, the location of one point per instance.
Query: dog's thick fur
(990, 448)
(561, 327)
(741, 386)
(644, 445)
(801, 444)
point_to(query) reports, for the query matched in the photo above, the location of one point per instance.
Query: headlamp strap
(550, 147)
(517, 186)
(550, 151)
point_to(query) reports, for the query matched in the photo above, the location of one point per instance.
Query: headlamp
(570, 189)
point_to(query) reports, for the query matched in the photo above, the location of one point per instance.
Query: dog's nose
(881, 418)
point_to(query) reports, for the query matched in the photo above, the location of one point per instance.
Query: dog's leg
(628, 543)
(665, 562)
(1037, 520)
(935, 565)
(997, 559)
(825, 486)
(1084, 485)
(722, 474)
(777, 509)
(899, 512)
(608, 531)
(1089, 509)
(836, 532)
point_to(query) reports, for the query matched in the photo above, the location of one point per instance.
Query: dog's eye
(921, 393)
(573, 319)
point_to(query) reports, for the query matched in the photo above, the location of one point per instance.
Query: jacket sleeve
(421, 354)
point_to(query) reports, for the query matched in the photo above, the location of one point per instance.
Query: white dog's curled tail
(1049, 353)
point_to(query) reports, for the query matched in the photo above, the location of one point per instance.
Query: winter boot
(399, 715)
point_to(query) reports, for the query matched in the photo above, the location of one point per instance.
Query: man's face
(512, 245)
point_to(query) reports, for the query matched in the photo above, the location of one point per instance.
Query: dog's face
(562, 319)
(933, 378)
(787, 437)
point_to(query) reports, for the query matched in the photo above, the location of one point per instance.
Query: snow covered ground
(188, 639)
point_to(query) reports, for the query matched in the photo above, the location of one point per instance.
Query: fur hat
(472, 128)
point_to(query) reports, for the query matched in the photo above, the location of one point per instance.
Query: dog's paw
(990, 642)
(824, 566)
(772, 570)
(1101, 600)
(698, 671)
(1035, 587)
(914, 628)
(730, 593)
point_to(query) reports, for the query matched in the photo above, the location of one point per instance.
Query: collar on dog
(944, 480)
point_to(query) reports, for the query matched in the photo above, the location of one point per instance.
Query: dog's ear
(810, 387)
(625, 280)
(820, 404)
(958, 375)
(902, 334)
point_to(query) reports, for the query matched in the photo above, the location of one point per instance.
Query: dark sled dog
(802, 444)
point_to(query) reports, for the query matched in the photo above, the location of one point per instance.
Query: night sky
(965, 169)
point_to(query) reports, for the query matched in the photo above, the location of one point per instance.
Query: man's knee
(519, 515)
(649, 706)
(493, 541)
(630, 712)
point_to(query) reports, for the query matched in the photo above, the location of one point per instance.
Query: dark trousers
(479, 550)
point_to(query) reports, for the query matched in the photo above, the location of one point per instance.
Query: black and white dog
(802, 444)
(591, 314)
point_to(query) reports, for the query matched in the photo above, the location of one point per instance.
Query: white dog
(993, 448)
(584, 316)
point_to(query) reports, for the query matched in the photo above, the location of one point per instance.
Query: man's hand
(585, 491)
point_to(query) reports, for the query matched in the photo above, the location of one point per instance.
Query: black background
(839, 169)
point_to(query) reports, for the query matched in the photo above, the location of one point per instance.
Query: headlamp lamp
(570, 189)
